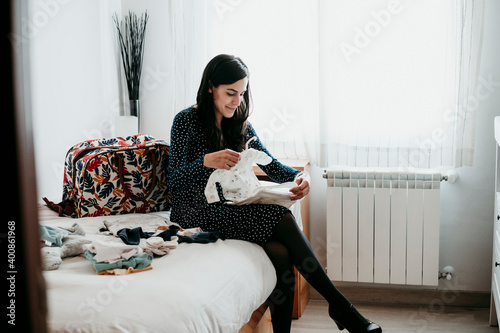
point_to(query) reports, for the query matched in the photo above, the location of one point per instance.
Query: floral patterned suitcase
(116, 176)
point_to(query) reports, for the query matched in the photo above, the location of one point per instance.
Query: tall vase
(135, 110)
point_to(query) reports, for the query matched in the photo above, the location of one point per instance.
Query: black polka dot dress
(187, 178)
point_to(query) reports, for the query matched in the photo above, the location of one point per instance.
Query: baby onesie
(240, 181)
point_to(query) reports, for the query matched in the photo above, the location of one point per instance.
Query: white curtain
(360, 83)
(188, 41)
(469, 92)
(277, 40)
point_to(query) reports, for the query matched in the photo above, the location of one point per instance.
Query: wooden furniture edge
(260, 321)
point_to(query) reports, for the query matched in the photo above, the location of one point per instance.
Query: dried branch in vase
(131, 36)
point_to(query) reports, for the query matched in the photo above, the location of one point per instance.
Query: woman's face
(227, 97)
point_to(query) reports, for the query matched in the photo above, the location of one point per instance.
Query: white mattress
(211, 287)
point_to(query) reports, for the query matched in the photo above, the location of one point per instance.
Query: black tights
(288, 247)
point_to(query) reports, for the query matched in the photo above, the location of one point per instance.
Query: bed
(213, 287)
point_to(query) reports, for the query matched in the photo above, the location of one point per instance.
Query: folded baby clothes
(124, 271)
(111, 252)
(158, 246)
(140, 261)
(130, 221)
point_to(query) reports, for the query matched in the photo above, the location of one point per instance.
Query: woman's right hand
(222, 159)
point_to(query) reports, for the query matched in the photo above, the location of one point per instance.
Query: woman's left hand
(300, 191)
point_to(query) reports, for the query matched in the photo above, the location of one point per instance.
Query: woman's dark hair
(223, 69)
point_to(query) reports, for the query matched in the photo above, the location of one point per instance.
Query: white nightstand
(495, 276)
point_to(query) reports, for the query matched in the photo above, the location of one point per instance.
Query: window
(358, 83)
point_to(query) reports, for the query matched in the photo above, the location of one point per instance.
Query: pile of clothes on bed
(140, 243)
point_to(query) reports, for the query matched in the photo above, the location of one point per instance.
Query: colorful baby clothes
(52, 235)
(133, 236)
(124, 271)
(65, 243)
(139, 261)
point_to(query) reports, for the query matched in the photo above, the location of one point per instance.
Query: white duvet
(211, 287)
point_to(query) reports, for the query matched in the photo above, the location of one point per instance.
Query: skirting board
(400, 296)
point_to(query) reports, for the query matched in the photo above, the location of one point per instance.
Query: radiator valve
(447, 273)
(450, 176)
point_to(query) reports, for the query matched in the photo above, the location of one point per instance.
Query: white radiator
(383, 227)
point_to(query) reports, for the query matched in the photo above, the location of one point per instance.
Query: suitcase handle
(153, 174)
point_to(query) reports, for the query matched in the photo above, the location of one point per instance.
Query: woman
(208, 136)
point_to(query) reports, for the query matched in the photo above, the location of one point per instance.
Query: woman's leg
(303, 257)
(280, 301)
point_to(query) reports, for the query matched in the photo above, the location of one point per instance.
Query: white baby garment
(112, 252)
(241, 186)
(240, 181)
(157, 246)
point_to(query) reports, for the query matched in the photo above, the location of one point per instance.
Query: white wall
(77, 95)
(157, 67)
(467, 205)
(78, 81)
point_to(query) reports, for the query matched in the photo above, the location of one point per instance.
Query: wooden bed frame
(260, 322)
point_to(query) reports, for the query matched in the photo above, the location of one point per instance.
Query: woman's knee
(282, 262)
(276, 251)
(279, 256)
